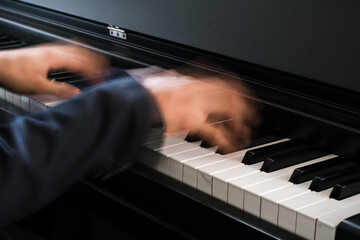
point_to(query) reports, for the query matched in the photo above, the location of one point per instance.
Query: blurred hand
(216, 108)
(25, 70)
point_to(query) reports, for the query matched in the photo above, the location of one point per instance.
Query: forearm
(43, 154)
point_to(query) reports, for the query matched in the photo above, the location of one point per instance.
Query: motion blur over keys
(213, 104)
(215, 108)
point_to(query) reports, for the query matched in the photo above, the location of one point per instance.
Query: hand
(25, 70)
(219, 109)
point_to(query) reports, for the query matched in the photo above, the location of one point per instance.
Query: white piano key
(326, 224)
(24, 102)
(236, 188)
(54, 102)
(162, 164)
(9, 96)
(148, 157)
(221, 179)
(172, 150)
(156, 139)
(232, 160)
(288, 208)
(270, 201)
(2, 93)
(190, 167)
(306, 217)
(244, 192)
(166, 142)
(252, 196)
(42, 97)
(16, 99)
(204, 173)
(218, 164)
(47, 99)
(2, 97)
(176, 161)
(35, 105)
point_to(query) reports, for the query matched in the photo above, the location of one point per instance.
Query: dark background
(314, 39)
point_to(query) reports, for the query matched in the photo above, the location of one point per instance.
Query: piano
(298, 179)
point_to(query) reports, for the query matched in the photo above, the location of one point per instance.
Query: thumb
(59, 89)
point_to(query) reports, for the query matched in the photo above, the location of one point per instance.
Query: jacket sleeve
(43, 154)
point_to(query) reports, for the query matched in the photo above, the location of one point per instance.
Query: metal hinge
(116, 32)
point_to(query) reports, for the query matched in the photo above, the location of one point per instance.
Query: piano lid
(317, 40)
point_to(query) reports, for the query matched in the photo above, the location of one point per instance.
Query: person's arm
(43, 154)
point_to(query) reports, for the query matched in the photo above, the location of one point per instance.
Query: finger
(215, 136)
(239, 130)
(222, 107)
(59, 89)
(236, 107)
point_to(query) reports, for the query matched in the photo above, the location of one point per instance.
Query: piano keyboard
(7, 42)
(27, 102)
(270, 179)
(271, 195)
(33, 102)
(241, 179)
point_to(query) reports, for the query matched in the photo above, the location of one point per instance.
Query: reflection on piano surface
(298, 178)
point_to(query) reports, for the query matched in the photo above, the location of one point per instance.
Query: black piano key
(6, 42)
(4, 37)
(205, 144)
(67, 79)
(260, 154)
(70, 78)
(80, 84)
(192, 138)
(59, 74)
(280, 161)
(15, 45)
(323, 182)
(349, 228)
(256, 141)
(346, 189)
(9, 42)
(307, 173)
(264, 135)
(261, 137)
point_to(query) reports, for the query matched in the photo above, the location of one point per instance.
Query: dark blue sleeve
(43, 154)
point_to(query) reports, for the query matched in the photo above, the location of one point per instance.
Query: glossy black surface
(308, 172)
(277, 162)
(260, 154)
(259, 32)
(323, 182)
(346, 189)
(7, 42)
(349, 229)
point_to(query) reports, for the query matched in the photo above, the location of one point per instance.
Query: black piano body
(300, 59)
